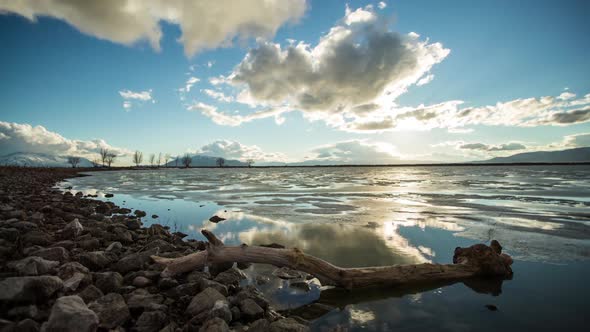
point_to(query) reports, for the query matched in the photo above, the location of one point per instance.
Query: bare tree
(187, 160)
(137, 158)
(152, 159)
(167, 157)
(95, 162)
(250, 162)
(220, 162)
(104, 153)
(159, 159)
(176, 160)
(111, 158)
(74, 161)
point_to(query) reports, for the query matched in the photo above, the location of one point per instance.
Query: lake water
(366, 216)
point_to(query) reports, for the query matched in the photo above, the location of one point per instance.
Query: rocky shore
(73, 263)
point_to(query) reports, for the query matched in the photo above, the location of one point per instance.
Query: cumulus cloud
(17, 137)
(356, 68)
(131, 98)
(577, 140)
(218, 95)
(355, 152)
(235, 150)
(204, 24)
(223, 119)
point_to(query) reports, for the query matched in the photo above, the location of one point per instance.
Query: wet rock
(214, 325)
(73, 229)
(231, 277)
(33, 266)
(216, 219)
(109, 195)
(151, 321)
(301, 285)
(29, 289)
(133, 224)
(103, 209)
(90, 293)
(261, 280)
(59, 254)
(250, 310)
(108, 282)
(139, 213)
(95, 260)
(111, 309)
(491, 307)
(204, 301)
(221, 310)
(10, 234)
(287, 325)
(70, 313)
(122, 211)
(141, 282)
(155, 216)
(287, 273)
(250, 292)
(206, 283)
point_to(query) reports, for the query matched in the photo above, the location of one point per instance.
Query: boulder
(231, 277)
(108, 282)
(29, 289)
(70, 313)
(95, 260)
(32, 266)
(221, 310)
(141, 282)
(287, 325)
(111, 309)
(74, 275)
(59, 254)
(151, 321)
(250, 310)
(27, 325)
(90, 294)
(136, 261)
(214, 325)
(141, 300)
(204, 301)
(72, 229)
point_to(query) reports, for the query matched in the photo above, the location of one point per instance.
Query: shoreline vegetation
(73, 263)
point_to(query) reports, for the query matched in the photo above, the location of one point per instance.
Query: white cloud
(204, 24)
(210, 64)
(576, 140)
(425, 80)
(218, 95)
(355, 152)
(235, 150)
(16, 137)
(512, 146)
(382, 5)
(132, 98)
(190, 82)
(223, 119)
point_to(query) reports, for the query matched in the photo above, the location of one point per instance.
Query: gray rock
(27, 325)
(300, 284)
(10, 234)
(287, 273)
(27, 311)
(214, 325)
(261, 325)
(162, 245)
(37, 237)
(206, 283)
(111, 309)
(114, 247)
(33, 266)
(89, 244)
(141, 282)
(139, 213)
(151, 321)
(231, 277)
(95, 260)
(250, 310)
(167, 283)
(70, 313)
(188, 289)
(204, 301)
(72, 229)
(221, 310)
(287, 325)
(135, 262)
(90, 294)
(141, 299)
(29, 289)
(75, 276)
(250, 292)
(59, 254)
(108, 282)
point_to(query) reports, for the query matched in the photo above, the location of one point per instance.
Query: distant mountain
(39, 160)
(206, 161)
(563, 156)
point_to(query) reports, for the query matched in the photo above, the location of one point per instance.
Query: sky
(295, 80)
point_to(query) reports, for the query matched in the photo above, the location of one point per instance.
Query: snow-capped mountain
(39, 160)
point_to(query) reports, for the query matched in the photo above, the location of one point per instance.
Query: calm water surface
(400, 215)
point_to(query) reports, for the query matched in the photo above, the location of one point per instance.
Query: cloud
(132, 98)
(16, 137)
(235, 150)
(203, 24)
(382, 5)
(223, 119)
(485, 147)
(218, 95)
(576, 140)
(190, 82)
(355, 152)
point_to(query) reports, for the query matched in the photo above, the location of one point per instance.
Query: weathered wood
(477, 260)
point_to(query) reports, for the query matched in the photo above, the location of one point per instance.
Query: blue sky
(67, 76)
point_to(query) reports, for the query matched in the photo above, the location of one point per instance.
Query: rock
(196, 276)
(141, 282)
(103, 209)
(262, 280)
(221, 310)
(122, 211)
(491, 307)
(133, 224)
(70, 313)
(59, 254)
(188, 289)
(36, 237)
(261, 325)
(170, 327)
(111, 309)
(250, 310)
(151, 321)
(90, 293)
(142, 300)
(155, 216)
(68, 244)
(10, 234)
(161, 244)
(287, 273)
(167, 283)
(29, 289)
(114, 247)
(32, 266)
(206, 283)
(231, 277)
(75, 275)
(302, 285)
(250, 292)
(90, 244)
(27, 325)
(287, 325)
(134, 262)
(216, 219)
(28, 311)
(214, 325)
(95, 260)
(139, 213)
(204, 301)
(109, 195)
(73, 229)
(108, 282)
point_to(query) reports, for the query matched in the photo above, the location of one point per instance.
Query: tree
(159, 159)
(250, 162)
(152, 159)
(176, 160)
(74, 161)
(104, 153)
(95, 162)
(167, 157)
(187, 160)
(110, 159)
(137, 158)
(220, 162)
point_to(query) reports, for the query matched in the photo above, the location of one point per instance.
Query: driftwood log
(478, 260)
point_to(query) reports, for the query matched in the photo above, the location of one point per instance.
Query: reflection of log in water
(477, 260)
